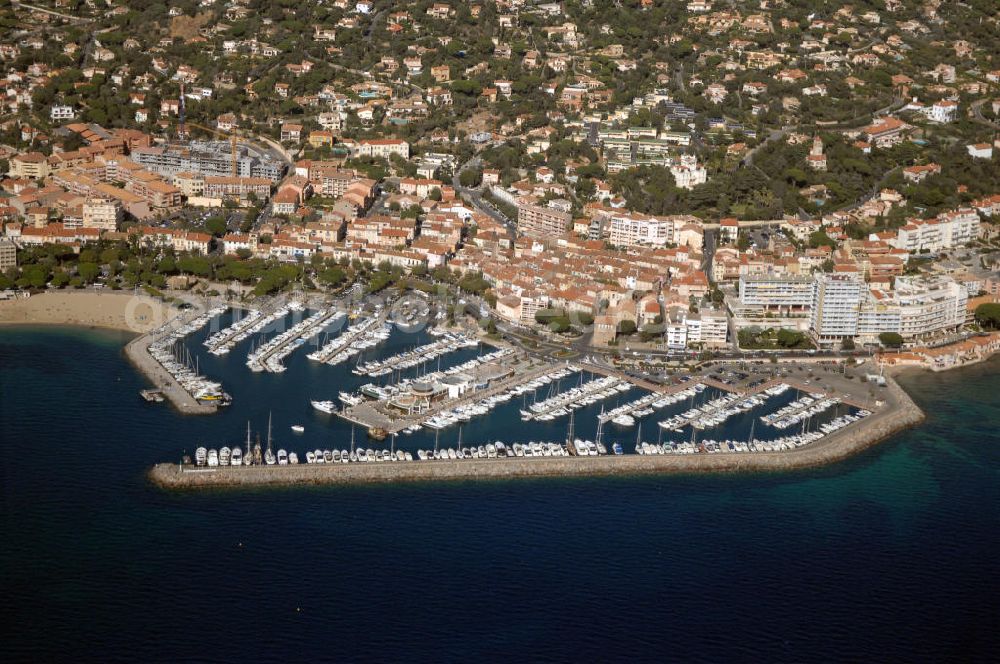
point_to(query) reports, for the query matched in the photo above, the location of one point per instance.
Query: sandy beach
(114, 310)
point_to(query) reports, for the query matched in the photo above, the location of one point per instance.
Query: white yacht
(328, 407)
(298, 428)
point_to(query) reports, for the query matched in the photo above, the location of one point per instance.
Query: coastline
(139, 314)
(899, 413)
(125, 312)
(113, 310)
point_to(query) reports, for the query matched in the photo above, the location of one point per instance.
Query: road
(475, 197)
(43, 10)
(977, 114)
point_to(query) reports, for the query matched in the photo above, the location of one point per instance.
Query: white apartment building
(835, 305)
(919, 307)
(706, 329)
(634, 229)
(777, 294)
(378, 148)
(929, 306)
(946, 231)
(878, 313)
(942, 111)
(102, 213)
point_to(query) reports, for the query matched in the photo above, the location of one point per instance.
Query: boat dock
(640, 405)
(376, 415)
(897, 412)
(222, 341)
(137, 352)
(269, 356)
(585, 394)
(341, 348)
(419, 355)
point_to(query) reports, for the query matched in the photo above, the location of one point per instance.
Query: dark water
(891, 556)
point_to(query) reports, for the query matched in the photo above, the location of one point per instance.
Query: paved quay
(137, 352)
(897, 412)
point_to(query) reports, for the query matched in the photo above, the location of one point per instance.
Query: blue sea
(893, 555)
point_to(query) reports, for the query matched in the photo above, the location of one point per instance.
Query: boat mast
(569, 430)
(269, 431)
(352, 439)
(638, 436)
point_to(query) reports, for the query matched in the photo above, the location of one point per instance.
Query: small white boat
(298, 428)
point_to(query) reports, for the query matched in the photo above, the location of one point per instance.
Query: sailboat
(269, 457)
(248, 458)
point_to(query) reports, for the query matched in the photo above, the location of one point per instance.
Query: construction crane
(232, 138)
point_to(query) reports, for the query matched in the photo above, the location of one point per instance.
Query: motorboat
(328, 407)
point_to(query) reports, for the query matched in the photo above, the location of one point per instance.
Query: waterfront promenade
(897, 412)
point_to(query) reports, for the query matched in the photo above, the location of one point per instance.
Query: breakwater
(896, 413)
(137, 352)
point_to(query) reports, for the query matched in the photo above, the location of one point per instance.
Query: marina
(166, 360)
(844, 438)
(269, 356)
(363, 335)
(585, 394)
(445, 344)
(448, 417)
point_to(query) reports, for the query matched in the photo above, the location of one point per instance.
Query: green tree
(216, 225)
(34, 276)
(60, 279)
(891, 339)
(89, 272)
(820, 238)
(470, 177)
(626, 327)
(789, 338)
(988, 315)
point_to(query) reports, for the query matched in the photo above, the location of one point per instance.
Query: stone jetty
(898, 412)
(137, 352)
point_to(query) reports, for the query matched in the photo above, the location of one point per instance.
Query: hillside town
(677, 177)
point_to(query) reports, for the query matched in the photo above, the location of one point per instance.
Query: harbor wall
(137, 352)
(897, 413)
